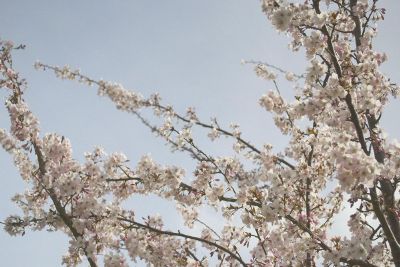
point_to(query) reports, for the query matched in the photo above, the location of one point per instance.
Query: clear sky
(188, 51)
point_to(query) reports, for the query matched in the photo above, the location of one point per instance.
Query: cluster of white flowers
(7, 142)
(281, 18)
(354, 167)
(314, 44)
(114, 260)
(263, 72)
(124, 99)
(315, 71)
(272, 101)
(189, 215)
(154, 176)
(184, 137)
(24, 125)
(214, 134)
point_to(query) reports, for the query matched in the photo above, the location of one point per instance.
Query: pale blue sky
(188, 51)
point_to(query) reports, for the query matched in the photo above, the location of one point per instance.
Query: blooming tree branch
(337, 157)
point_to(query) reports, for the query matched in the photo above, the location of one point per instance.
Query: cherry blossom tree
(337, 157)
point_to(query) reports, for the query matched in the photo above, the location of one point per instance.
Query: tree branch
(60, 209)
(170, 233)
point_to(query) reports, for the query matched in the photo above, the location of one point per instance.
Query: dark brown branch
(60, 209)
(356, 122)
(394, 245)
(348, 99)
(356, 19)
(191, 254)
(170, 233)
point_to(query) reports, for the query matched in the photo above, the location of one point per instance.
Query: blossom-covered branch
(276, 209)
